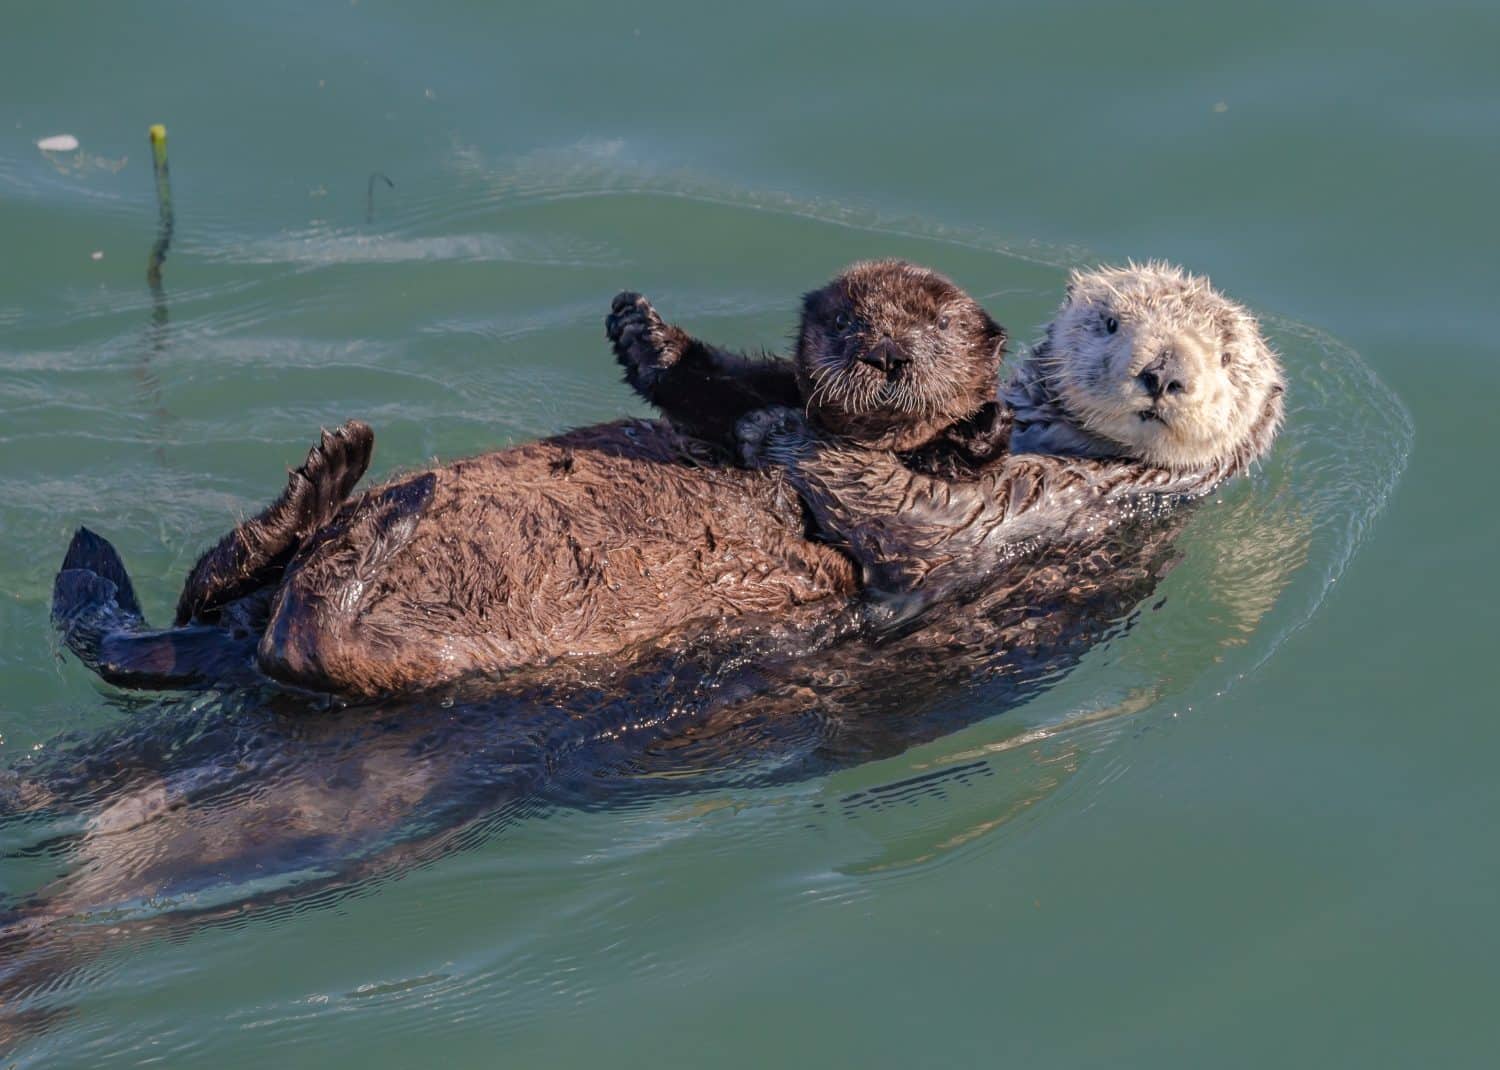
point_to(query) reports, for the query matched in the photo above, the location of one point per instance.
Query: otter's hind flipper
(95, 611)
(196, 656)
(92, 596)
(254, 553)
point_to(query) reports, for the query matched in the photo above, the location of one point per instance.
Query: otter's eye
(943, 322)
(1111, 325)
(1226, 360)
(841, 320)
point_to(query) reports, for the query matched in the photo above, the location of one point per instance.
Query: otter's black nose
(1165, 375)
(887, 356)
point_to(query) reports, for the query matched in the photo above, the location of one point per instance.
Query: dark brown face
(890, 354)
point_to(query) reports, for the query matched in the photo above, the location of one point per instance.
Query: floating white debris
(97, 254)
(58, 143)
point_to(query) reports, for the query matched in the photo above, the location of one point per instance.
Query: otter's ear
(994, 335)
(812, 307)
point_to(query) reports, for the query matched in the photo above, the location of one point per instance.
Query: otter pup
(1148, 386)
(584, 543)
(873, 362)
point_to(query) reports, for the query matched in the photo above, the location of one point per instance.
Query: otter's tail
(95, 611)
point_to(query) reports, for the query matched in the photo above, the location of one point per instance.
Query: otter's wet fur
(581, 544)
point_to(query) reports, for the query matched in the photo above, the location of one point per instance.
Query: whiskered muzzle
(886, 356)
(1166, 375)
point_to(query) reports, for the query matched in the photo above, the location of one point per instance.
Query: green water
(1255, 830)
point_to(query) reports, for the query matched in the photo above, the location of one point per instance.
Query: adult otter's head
(891, 354)
(1160, 363)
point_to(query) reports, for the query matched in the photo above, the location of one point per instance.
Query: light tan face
(1156, 360)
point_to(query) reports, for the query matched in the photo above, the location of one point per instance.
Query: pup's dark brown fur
(587, 542)
(890, 354)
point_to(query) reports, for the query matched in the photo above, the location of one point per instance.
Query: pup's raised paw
(644, 344)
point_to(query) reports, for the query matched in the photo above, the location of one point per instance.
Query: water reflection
(158, 335)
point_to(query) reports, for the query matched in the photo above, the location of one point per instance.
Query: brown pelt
(580, 544)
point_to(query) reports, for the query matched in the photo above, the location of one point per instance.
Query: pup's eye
(1227, 359)
(841, 320)
(1111, 325)
(943, 322)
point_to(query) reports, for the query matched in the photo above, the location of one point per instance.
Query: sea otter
(584, 543)
(1148, 387)
(310, 798)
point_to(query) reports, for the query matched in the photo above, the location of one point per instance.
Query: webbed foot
(315, 491)
(252, 554)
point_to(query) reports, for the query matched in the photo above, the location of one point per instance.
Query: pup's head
(891, 354)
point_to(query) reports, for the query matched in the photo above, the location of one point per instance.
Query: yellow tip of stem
(159, 145)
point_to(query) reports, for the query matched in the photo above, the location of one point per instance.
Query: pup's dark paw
(770, 435)
(327, 478)
(644, 344)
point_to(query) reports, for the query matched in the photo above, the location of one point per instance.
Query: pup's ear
(812, 306)
(815, 303)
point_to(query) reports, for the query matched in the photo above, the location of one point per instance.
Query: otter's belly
(582, 544)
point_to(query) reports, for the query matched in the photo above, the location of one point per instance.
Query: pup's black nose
(1165, 375)
(887, 356)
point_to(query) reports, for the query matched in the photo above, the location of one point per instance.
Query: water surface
(1250, 829)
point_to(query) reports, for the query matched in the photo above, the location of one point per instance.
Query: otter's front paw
(644, 344)
(770, 436)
